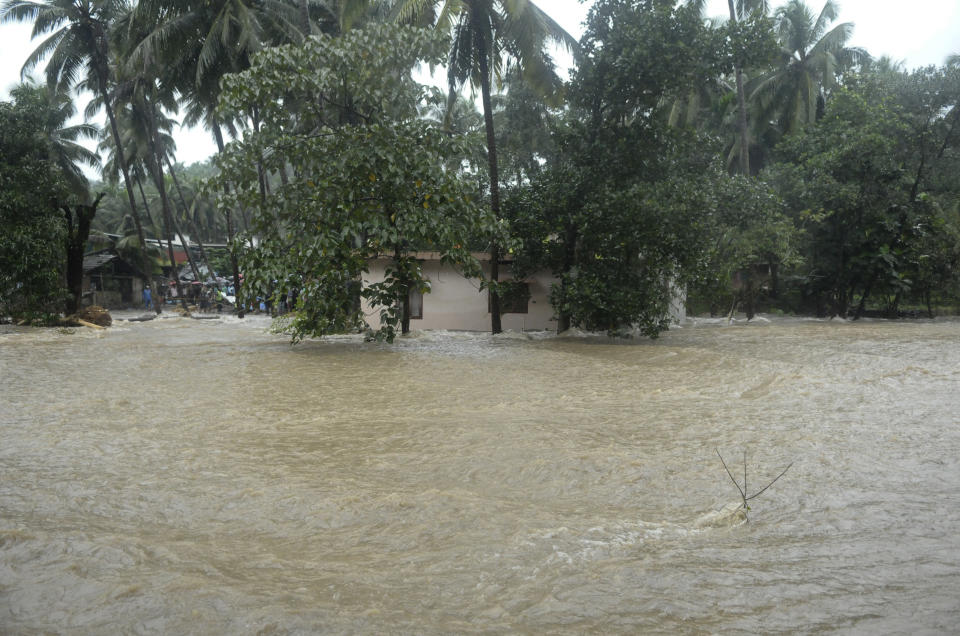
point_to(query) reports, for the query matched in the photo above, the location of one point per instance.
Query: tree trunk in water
(169, 224)
(563, 318)
(157, 303)
(894, 310)
(122, 162)
(77, 234)
(569, 257)
(863, 298)
(176, 225)
(405, 291)
(218, 135)
(742, 110)
(495, 324)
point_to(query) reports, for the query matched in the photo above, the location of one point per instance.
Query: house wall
(456, 303)
(112, 291)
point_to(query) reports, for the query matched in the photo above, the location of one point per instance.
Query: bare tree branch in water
(743, 491)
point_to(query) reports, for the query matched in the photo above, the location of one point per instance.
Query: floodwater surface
(205, 477)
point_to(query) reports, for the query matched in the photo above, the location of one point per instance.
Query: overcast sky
(918, 33)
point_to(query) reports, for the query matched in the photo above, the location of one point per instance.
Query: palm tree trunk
(146, 206)
(162, 189)
(173, 219)
(121, 161)
(741, 110)
(305, 17)
(495, 324)
(193, 226)
(157, 304)
(167, 225)
(218, 135)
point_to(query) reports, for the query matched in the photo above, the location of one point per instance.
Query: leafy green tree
(874, 185)
(522, 115)
(370, 177)
(32, 232)
(623, 209)
(197, 42)
(77, 47)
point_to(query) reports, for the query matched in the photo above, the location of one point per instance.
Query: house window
(415, 296)
(514, 297)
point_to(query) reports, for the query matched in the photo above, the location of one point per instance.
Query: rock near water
(96, 315)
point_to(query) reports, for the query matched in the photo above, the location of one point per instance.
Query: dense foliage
(875, 186)
(31, 226)
(757, 162)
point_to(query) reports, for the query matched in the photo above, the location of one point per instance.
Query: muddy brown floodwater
(205, 477)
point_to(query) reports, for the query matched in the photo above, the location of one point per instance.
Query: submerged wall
(456, 303)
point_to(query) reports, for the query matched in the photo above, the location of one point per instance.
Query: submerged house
(456, 303)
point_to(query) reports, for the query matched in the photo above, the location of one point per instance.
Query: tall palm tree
(77, 44)
(739, 10)
(812, 55)
(63, 145)
(743, 7)
(485, 32)
(199, 41)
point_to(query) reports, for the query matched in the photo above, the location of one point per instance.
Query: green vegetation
(30, 266)
(757, 162)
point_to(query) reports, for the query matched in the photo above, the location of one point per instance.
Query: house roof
(97, 260)
(483, 257)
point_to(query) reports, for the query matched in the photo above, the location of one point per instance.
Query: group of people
(200, 295)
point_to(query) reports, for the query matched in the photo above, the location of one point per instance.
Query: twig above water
(743, 491)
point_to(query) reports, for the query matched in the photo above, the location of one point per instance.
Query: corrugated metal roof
(98, 259)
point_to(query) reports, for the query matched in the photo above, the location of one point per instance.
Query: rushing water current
(204, 477)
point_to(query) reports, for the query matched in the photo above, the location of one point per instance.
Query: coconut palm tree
(686, 109)
(485, 32)
(812, 56)
(199, 41)
(63, 145)
(738, 13)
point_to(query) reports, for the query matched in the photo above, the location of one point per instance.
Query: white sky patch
(920, 33)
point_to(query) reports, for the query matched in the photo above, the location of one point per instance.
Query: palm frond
(20, 11)
(828, 14)
(41, 52)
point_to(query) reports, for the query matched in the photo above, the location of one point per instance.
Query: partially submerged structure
(456, 303)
